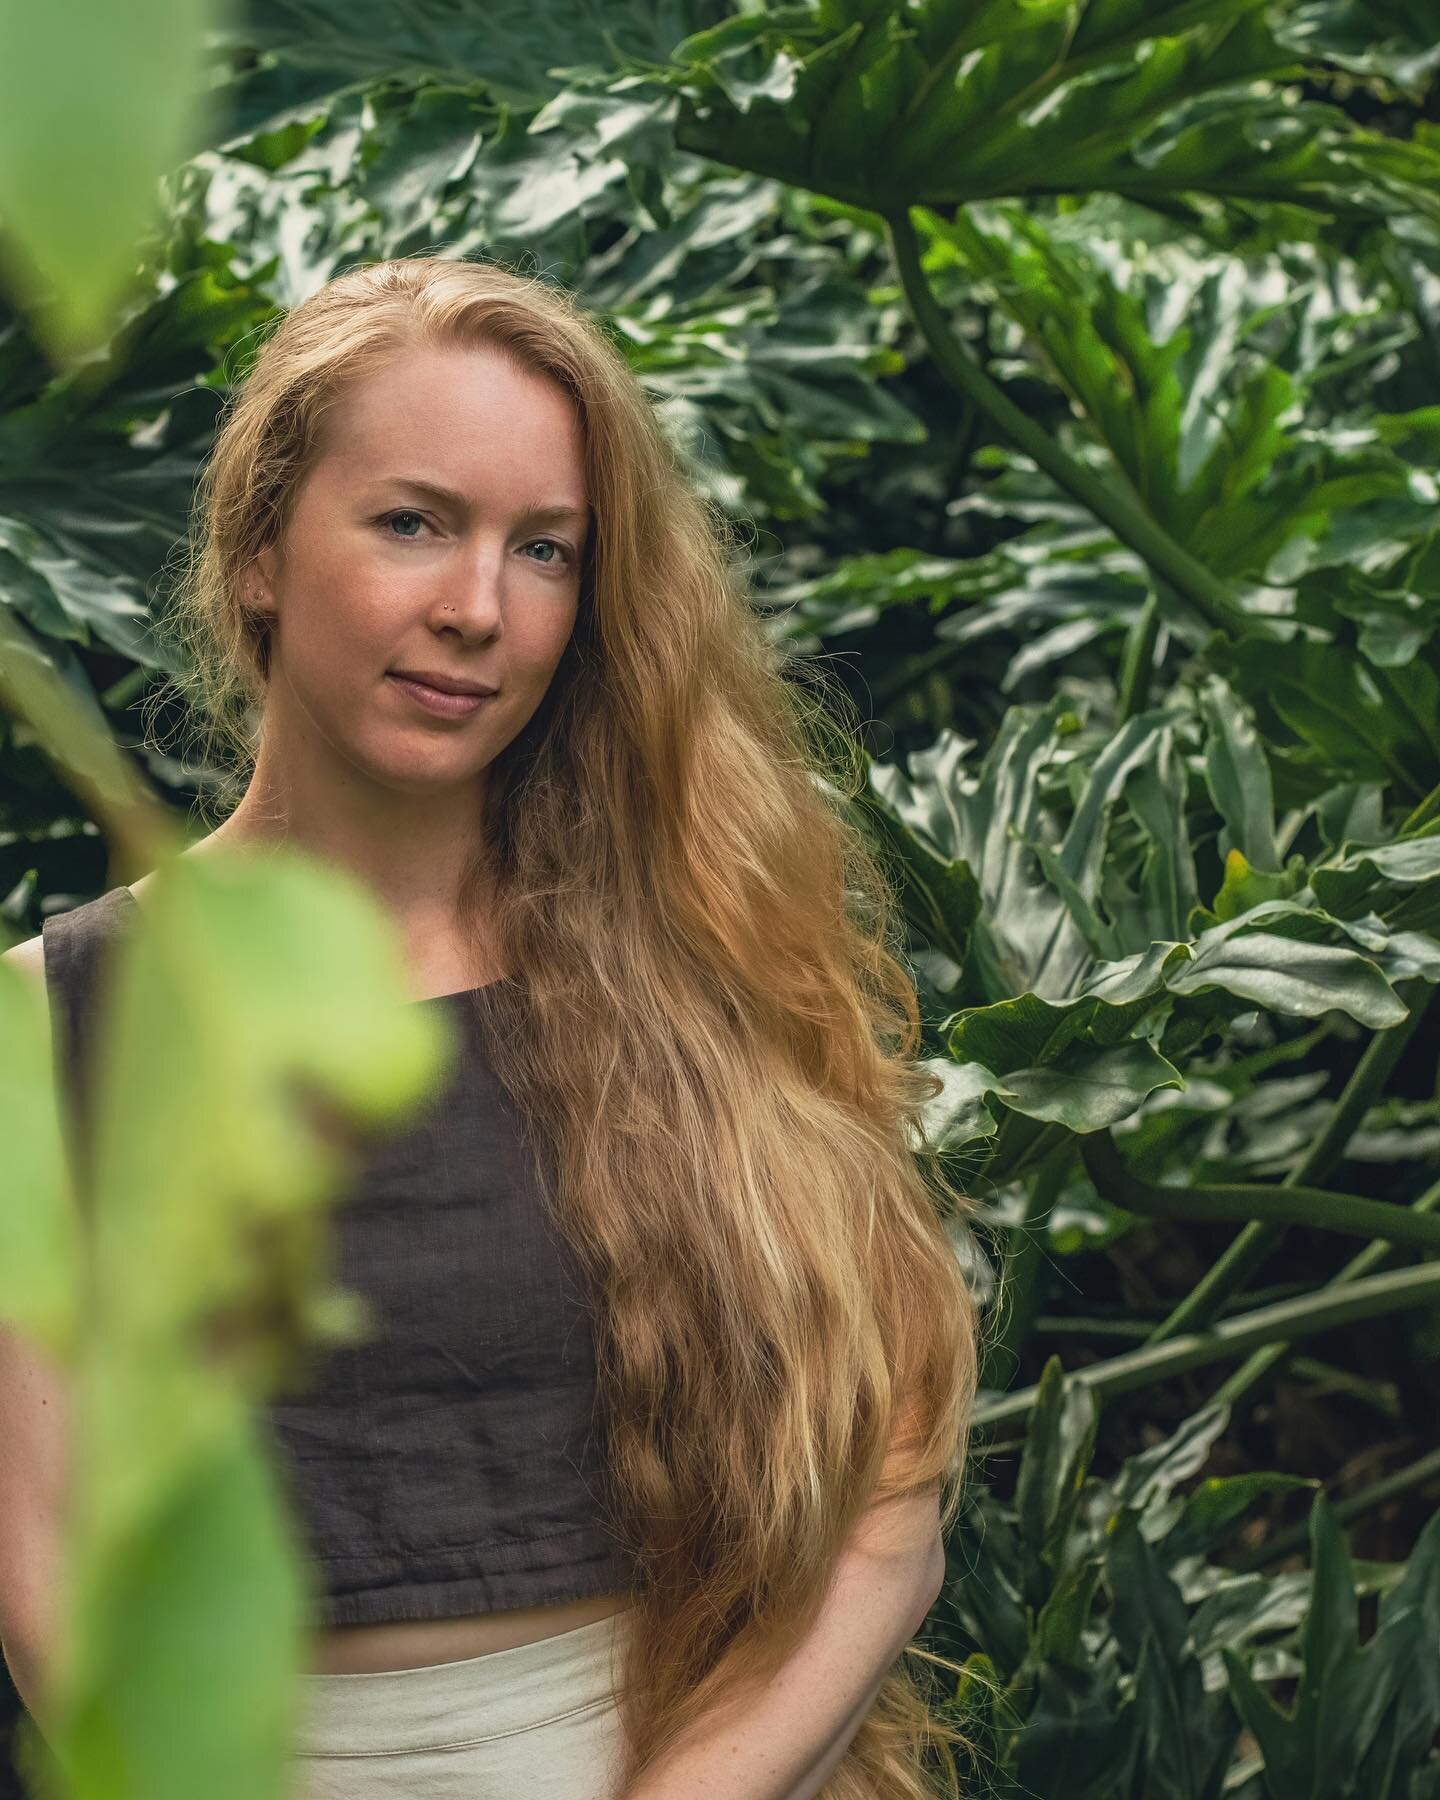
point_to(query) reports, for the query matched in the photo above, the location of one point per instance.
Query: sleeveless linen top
(452, 1463)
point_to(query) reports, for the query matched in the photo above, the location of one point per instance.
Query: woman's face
(380, 574)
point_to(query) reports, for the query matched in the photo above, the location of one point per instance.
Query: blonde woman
(639, 1492)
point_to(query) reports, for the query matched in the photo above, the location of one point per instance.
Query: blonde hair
(711, 1028)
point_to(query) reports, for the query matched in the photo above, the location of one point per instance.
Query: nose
(469, 595)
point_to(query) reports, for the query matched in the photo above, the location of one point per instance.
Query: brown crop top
(450, 1464)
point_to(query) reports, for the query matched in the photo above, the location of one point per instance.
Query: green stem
(1424, 814)
(1131, 1325)
(1378, 1396)
(1139, 664)
(1063, 1325)
(1252, 1246)
(1270, 1204)
(1108, 500)
(1378, 1295)
(1297, 1537)
(1371, 1257)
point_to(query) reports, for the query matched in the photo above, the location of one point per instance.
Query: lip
(444, 684)
(437, 700)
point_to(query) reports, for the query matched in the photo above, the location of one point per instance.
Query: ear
(258, 582)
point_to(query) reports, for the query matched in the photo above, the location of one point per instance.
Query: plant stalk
(1267, 1203)
(1371, 1257)
(1108, 500)
(1252, 1246)
(1377, 1296)
(1297, 1537)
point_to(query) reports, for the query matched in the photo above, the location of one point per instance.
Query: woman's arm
(785, 1741)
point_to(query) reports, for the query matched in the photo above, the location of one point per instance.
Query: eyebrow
(552, 514)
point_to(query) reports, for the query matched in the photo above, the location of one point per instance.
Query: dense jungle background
(1074, 367)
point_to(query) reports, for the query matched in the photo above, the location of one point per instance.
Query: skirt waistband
(446, 1705)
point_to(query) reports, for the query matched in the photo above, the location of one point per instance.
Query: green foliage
(1100, 1640)
(233, 999)
(1365, 1717)
(921, 104)
(85, 87)
(1081, 1594)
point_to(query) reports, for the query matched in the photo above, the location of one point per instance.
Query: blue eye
(564, 552)
(405, 512)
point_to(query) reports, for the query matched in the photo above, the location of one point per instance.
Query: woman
(692, 991)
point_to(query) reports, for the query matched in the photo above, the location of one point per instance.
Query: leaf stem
(1138, 665)
(1123, 513)
(1270, 1204)
(1250, 1248)
(1371, 1257)
(1394, 1291)
(1297, 1537)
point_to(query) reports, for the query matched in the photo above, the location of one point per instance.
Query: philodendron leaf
(1244, 888)
(1060, 1628)
(1089, 1089)
(1267, 957)
(1144, 1602)
(970, 844)
(1147, 1479)
(1407, 1635)
(1240, 1608)
(1355, 1703)
(1302, 980)
(212, 1567)
(1347, 882)
(1350, 1701)
(1186, 1736)
(940, 894)
(1076, 1063)
(242, 991)
(958, 1113)
(886, 103)
(1286, 1768)
(97, 102)
(980, 819)
(988, 1601)
(1238, 776)
(1146, 1482)
(1389, 38)
(1079, 1740)
(39, 1227)
(1209, 1512)
(1057, 1063)
(1058, 1447)
(1030, 1032)
(1365, 722)
(985, 1710)
(1139, 752)
(1133, 339)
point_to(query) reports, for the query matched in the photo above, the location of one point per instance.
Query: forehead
(465, 418)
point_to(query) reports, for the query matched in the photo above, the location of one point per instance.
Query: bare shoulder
(29, 958)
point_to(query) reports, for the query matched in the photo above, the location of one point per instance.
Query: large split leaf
(883, 105)
(249, 1008)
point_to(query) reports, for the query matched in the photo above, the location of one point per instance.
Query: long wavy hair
(709, 1021)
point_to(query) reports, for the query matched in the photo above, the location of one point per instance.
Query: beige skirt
(539, 1720)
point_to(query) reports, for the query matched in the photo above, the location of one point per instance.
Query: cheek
(348, 619)
(538, 636)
